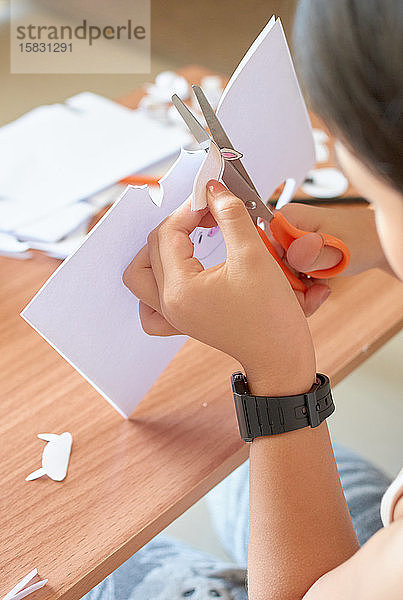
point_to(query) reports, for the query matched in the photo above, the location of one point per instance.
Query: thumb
(308, 253)
(232, 217)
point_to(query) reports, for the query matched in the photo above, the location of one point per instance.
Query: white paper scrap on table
(57, 225)
(22, 589)
(328, 182)
(13, 248)
(58, 154)
(84, 310)
(62, 249)
(55, 456)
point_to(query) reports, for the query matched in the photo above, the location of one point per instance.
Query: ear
(233, 575)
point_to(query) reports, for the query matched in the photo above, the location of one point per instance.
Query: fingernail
(215, 187)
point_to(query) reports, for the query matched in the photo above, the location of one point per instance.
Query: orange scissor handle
(285, 234)
(294, 281)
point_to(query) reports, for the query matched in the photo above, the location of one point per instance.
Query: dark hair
(349, 54)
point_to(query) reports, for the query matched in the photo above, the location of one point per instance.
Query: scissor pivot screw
(250, 204)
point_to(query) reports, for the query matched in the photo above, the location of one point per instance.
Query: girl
(302, 542)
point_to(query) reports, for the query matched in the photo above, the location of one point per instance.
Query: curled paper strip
(22, 588)
(212, 168)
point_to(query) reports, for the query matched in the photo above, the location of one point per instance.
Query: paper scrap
(212, 168)
(62, 249)
(55, 457)
(57, 225)
(321, 139)
(325, 183)
(10, 246)
(21, 590)
(208, 245)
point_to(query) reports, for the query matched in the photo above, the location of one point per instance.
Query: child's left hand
(244, 307)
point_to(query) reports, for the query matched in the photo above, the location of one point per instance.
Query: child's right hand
(355, 226)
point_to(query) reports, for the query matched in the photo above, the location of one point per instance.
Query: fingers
(309, 218)
(313, 298)
(232, 217)
(208, 221)
(170, 248)
(139, 279)
(153, 323)
(308, 254)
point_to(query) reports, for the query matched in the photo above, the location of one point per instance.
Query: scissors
(237, 179)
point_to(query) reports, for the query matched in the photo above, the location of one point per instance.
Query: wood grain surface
(127, 480)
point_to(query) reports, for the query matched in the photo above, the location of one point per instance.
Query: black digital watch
(265, 415)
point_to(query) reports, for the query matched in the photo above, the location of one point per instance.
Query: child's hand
(355, 226)
(244, 307)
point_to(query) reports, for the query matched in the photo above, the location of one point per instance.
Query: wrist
(293, 376)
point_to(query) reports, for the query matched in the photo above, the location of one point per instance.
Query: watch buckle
(312, 407)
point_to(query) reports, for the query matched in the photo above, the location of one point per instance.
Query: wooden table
(128, 480)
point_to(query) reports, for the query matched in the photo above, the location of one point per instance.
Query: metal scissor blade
(195, 127)
(238, 186)
(232, 177)
(218, 132)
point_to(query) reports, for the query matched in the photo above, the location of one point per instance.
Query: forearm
(300, 527)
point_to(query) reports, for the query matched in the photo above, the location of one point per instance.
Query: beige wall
(211, 33)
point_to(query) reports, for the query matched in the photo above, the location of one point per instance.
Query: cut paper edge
(156, 194)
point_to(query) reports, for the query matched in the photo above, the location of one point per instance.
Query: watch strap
(264, 415)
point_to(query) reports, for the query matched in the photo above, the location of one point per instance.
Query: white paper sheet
(86, 312)
(265, 117)
(58, 154)
(59, 224)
